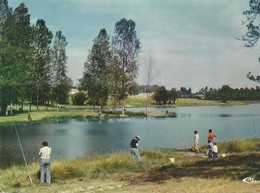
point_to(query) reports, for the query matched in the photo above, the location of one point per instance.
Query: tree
(115, 76)
(79, 98)
(225, 93)
(173, 95)
(150, 74)
(16, 35)
(40, 74)
(60, 81)
(161, 95)
(133, 89)
(126, 47)
(252, 35)
(5, 13)
(95, 78)
(185, 91)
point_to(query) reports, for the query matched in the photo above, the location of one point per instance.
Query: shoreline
(71, 111)
(116, 172)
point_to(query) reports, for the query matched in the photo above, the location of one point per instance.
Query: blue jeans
(135, 154)
(45, 171)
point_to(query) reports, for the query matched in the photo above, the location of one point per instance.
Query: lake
(70, 138)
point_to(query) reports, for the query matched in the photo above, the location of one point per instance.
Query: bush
(79, 98)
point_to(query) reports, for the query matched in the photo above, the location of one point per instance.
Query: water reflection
(70, 138)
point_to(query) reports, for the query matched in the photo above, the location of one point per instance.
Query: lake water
(72, 138)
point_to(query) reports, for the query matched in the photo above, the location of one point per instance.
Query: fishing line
(254, 126)
(22, 153)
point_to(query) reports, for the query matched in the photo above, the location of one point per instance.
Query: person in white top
(215, 150)
(196, 143)
(45, 155)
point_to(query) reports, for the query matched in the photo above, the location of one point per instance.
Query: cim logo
(250, 180)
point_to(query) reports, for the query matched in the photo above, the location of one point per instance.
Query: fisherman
(45, 155)
(134, 151)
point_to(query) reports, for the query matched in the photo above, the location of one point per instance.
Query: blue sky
(192, 41)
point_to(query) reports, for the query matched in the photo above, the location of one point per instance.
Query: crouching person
(45, 163)
(210, 149)
(215, 150)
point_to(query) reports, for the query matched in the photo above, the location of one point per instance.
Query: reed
(238, 146)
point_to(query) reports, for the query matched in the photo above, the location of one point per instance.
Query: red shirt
(211, 136)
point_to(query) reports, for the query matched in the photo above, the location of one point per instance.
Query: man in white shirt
(45, 155)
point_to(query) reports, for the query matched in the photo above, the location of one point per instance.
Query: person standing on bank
(196, 143)
(45, 163)
(134, 151)
(211, 135)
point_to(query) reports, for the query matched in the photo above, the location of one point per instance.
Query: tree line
(163, 96)
(226, 93)
(33, 63)
(32, 60)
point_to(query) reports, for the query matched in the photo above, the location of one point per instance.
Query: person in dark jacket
(134, 151)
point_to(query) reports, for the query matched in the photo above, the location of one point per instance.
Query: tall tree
(252, 35)
(40, 74)
(61, 82)
(5, 12)
(116, 75)
(150, 75)
(126, 47)
(95, 78)
(15, 56)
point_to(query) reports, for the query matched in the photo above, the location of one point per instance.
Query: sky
(193, 43)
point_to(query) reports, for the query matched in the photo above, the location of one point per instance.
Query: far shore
(84, 111)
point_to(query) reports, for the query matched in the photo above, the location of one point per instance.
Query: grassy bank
(117, 173)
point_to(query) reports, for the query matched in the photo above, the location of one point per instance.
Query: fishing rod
(30, 178)
(254, 126)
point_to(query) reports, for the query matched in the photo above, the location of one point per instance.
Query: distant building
(199, 96)
(73, 91)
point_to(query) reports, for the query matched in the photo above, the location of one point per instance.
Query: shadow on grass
(236, 167)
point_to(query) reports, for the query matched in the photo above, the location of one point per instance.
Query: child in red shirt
(211, 135)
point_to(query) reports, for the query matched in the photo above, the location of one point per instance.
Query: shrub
(79, 98)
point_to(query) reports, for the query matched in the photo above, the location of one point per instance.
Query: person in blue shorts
(210, 149)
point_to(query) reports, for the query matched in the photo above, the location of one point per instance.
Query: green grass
(239, 146)
(96, 167)
(118, 173)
